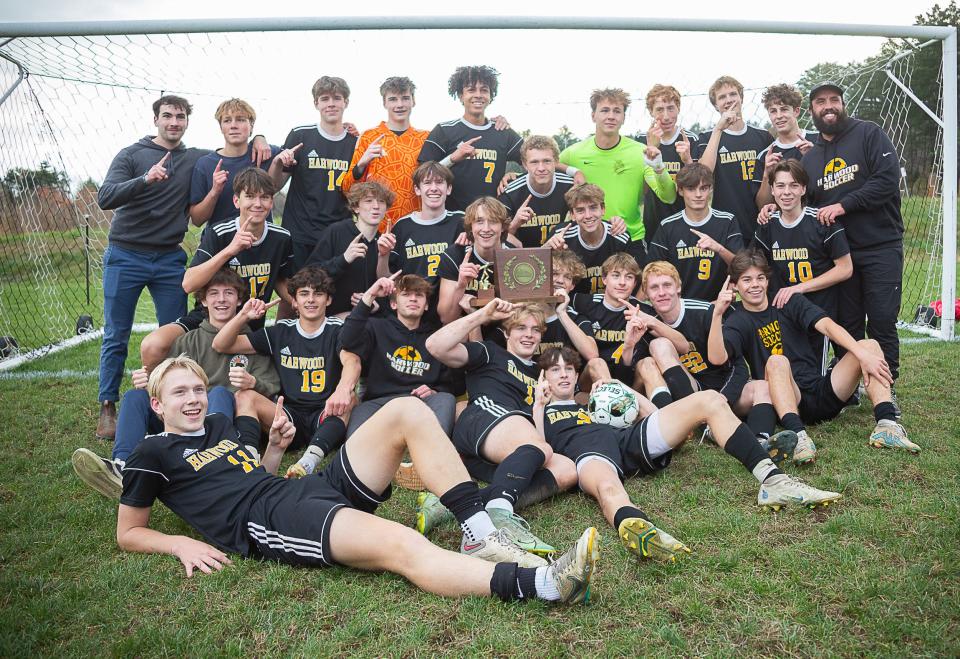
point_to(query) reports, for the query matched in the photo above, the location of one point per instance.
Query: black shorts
(292, 524)
(729, 384)
(476, 422)
(626, 449)
(622, 372)
(306, 421)
(819, 402)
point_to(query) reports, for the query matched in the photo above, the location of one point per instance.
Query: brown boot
(107, 424)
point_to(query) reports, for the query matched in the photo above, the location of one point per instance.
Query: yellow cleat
(644, 540)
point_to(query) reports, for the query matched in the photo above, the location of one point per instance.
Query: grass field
(879, 574)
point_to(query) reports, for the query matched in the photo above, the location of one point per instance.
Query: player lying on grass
(205, 470)
(496, 427)
(690, 371)
(605, 455)
(228, 373)
(775, 344)
(316, 378)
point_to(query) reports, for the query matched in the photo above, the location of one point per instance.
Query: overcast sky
(546, 76)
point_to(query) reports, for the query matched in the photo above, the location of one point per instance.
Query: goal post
(73, 93)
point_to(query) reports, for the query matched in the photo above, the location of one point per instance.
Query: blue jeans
(125, 274)
(136, 420)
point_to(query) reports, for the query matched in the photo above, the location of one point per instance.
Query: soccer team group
(709, 275)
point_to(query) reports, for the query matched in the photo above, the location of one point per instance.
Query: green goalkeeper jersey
(621, 172)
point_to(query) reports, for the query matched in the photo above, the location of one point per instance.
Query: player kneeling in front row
(203, 468)
(605, 455)
(775, 344)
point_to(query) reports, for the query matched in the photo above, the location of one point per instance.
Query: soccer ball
(613, 404)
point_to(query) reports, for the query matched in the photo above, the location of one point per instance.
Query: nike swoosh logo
(887, 154)
(472, 547)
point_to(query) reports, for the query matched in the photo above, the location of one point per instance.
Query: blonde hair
(614, 94)
(584, 194)
(159, 374)
(541, 142)
(723, 81)
(620, 261)
(565, 259)
(659, 268)
(521, 311)
(235, 106)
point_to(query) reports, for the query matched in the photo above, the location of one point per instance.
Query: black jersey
(308, 364)
(550, 209)
(654, 209)
(497, 377)
(210, 480)
(593, 257)
(396, 358)
(479, 175)
(348, 278)
(756, 335)
(450, 267)
(270, 258)
(569, 430)
(787, 151)
(314, 200)
(737, 154)
(421, 244)
(702, 271)
(801, 251)
(609, 327)
(694, 323)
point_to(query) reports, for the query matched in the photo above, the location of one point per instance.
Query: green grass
(879, 574)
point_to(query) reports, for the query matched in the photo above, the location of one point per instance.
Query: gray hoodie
(148, 218)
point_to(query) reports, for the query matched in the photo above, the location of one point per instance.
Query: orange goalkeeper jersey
(395, 170)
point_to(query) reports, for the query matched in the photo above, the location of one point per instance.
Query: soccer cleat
(101, 474)
(571, 573)
(295, 470)
(805, 451)
(431, 513)
(781, 446)
(642, 538)
(889, 434)
(498, 547)
(519, 531)
(781, 490)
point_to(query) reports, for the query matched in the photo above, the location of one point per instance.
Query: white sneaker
(806, 450)
(101, 474)
(781, 490)
(498, 548)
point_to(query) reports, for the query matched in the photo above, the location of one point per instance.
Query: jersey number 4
(333, 181)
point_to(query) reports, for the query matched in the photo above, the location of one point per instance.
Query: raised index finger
(395, 275)
(527, 202)
(278, 413)
(217, 168)
(357, 238)
(473, 139)
(164, 159)
(297, 148)
(378, 138)
(726, 283)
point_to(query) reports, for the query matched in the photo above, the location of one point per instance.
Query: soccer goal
(73, 94)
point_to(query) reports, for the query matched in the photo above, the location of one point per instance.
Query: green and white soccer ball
(613, 404)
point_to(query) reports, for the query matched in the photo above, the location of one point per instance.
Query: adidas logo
(410, 243)
(776, 244)
(234, 262)
(313, 154)
(723, 149)
(596, 326)
(188, 452)
(285, 351)
(680, 243)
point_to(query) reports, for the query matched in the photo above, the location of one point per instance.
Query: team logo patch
(407, 353)
(834, 165)
(408, 360)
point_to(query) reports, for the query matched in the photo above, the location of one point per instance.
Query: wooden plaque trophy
(520, 275)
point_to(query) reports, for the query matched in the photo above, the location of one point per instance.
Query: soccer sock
(514, 474)
(311, 459)
(626, 512)
(544, 585)
(791, 421)
(885, 411)
(329, 435)
(511, 582)
(463, 500)
(678, 381)
(661, 397)
(499, 502)
(542, 486)
(744, 447)
(762, 419)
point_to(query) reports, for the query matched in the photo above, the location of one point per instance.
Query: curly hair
(465, 76)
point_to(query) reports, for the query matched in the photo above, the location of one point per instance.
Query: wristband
(447, 162)
(656, 163)
(572, 171)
